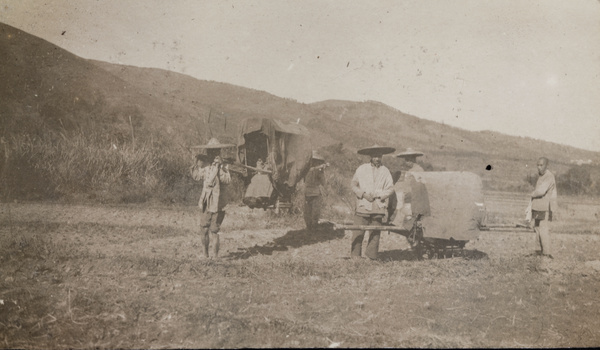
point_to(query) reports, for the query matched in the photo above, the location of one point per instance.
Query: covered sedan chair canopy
(284, 147)
(456, 204)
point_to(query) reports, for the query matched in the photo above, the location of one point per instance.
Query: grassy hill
(357, 124)
(107, 128)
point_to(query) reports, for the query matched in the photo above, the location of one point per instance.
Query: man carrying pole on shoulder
(212, 200)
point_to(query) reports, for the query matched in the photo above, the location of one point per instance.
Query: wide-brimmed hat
(376, 150)
(316, 156)
(213, 143)
(409, 153)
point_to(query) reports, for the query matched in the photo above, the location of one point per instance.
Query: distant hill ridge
(47, 88)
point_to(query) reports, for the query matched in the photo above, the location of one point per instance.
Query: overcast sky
(527, 68)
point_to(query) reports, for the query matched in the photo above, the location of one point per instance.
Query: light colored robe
(376, 181)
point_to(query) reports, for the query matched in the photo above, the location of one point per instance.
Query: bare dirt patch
(132, 277)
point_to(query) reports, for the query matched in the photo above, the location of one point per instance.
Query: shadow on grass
(397, 255)
(474, 254)
(410, 255)
(292, 239)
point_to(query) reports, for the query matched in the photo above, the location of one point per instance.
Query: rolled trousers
(211, 222)
(358, 236)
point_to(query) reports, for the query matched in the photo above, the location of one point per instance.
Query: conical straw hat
(409, 153)
(317, 156)
(376, 150)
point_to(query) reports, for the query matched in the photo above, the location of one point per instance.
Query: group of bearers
(372, 185)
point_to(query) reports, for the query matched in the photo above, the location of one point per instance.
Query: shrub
(579, 180)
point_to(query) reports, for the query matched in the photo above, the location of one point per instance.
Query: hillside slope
(46, 88)
(357, 124)
(225, 104)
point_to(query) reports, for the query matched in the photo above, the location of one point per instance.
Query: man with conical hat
(372, 184)
(212, 201)
(404, 187)
(410, 159)
(313, 181)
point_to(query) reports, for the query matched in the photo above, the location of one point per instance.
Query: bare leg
(205, 219)
(215, 238)
(205, 241)
(543, 232)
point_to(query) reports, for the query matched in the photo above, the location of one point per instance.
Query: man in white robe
(372, 184)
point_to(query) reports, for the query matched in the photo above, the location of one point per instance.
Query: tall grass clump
(94, 167)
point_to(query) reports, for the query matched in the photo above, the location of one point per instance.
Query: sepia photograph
(299, 174)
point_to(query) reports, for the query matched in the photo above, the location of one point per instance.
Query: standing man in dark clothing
(410, 160)
(312, 191)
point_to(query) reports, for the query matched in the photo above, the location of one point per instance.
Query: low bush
(579, 180)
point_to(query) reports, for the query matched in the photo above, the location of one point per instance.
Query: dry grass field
(131, 277)
(113, 275)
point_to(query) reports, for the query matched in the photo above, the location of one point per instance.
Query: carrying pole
(505, 227)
